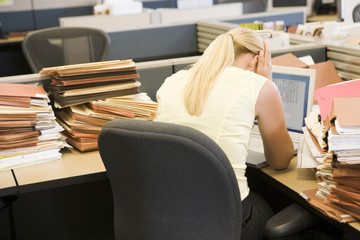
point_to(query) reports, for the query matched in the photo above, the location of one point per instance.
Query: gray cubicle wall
(10, 21)
(26, 15)
(154, 43)
(316, 51)
(290, 19)
(45, 18)
(17, 17)
(182, 63)
(153, 74)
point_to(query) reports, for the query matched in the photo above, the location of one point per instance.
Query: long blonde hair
(220, 54)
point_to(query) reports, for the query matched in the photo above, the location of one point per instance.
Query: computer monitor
(296, 87)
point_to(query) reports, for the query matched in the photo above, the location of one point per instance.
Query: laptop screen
(296, 87)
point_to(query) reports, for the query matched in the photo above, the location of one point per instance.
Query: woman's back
(227, 116)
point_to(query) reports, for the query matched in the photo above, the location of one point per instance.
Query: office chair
(169, 182)
(174, 182)
(59, 46)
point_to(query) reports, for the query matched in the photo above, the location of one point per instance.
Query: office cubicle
(177, 40)
(63, 203)
(142, 43)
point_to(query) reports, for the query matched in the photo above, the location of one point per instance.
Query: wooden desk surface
(73, 164)
(7, 183)
(321, 18)
(6, 179)
(11, 40)
(298, 179)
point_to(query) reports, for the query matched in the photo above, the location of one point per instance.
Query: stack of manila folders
(332, 140)
(29, 133)
(88, 95)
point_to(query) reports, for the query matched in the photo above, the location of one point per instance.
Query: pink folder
(325, 95)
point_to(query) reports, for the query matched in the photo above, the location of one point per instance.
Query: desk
(69, 198)
(296, 180)
(10, 40)
(7, 183)
(73, 168)
(320, 18)
(87, 168)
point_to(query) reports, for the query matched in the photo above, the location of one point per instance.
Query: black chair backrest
(59, 46)
(169, 182)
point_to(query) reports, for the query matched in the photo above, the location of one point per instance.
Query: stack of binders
(29, 133)
(89, 95)
(334, 139)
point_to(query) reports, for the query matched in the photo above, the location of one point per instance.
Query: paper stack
(89, 95)
(83, 122)
(29, 133)
(333, 132)
(79, 83)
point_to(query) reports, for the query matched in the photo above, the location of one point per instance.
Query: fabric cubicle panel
(152, 75)
(153, 43)
(50, 17)
(26, 15)
(17, 17)
(317, 52)
(47, 13)
(289, 18)
(346, 59)
(181, 63)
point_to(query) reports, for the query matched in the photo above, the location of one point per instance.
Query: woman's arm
(269, 112)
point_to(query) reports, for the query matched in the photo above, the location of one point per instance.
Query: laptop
(296, 87)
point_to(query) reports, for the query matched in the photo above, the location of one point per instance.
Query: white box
(182, 4)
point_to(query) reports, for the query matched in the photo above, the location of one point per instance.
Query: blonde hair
(220, 54)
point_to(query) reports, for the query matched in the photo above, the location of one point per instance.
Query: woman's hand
(264, 66)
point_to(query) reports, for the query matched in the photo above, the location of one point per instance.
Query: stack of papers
(332, 134)
(339, 188)
(344, 133)
(83, 122)
(79, 83)
(29, 133)
(86, 96)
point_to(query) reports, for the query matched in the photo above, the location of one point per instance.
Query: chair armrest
(289, 220)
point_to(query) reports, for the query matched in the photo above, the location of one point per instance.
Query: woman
(221, 95)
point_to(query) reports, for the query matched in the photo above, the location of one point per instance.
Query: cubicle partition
(153, 74)
(153, 43)
(142, 43)
(154, 34)
(10, 15)
(208, 30)
(154, 17)
(316, 51)
(346, 59)
(27, 15)
(290, 17)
